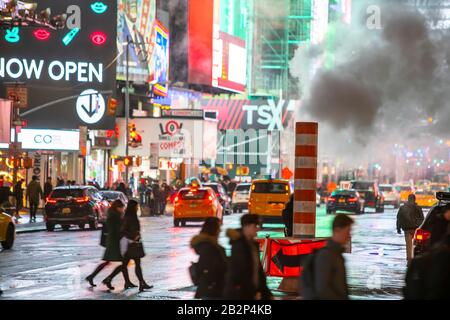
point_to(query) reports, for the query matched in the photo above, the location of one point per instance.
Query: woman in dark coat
(112, 252)
(131, 229)
(212, 263)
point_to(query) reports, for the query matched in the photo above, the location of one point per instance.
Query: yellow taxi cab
(404, 190)
(436, 187)
(425, 198)
(268, 199)
(7, 230)
(196, 204)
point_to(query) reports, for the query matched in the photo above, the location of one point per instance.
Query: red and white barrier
(305, 180)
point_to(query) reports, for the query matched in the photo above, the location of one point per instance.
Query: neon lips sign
(41, 34)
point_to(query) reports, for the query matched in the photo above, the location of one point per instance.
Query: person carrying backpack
(324, 275)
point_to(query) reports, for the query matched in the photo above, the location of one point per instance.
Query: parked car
(370, 192)
(434, 225)
(345, 200)
(241, 195)
(75, 205)
(223, 197)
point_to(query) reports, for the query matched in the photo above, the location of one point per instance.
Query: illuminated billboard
(68, 73)
(160, 71)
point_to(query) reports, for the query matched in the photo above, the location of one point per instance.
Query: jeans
(33, 209)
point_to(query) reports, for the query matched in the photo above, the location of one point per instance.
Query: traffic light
(112, 106)
(245, 171)
(128, 161)
(27, 163)
(138, 161)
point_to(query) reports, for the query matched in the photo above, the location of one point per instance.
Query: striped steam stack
(305, 180)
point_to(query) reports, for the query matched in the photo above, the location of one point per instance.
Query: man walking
(324, 276)
(245, 279)
(34, 194)
(18, 194)
(409, 218)
(48, 187)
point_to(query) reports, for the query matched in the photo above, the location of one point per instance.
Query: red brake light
(354, 199)
(331, 199)
(82, 200)
(422, 235)
(210, 198)
(51, 201)
(176, 199)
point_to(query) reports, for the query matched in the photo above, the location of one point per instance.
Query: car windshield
(110, 195)
(360, 185)
(215, 187)
(193, 194)
(265, 187)
(243, 188)
(428, 193)
(438, 188)
(344, 193)
(386, 188)
(405, 188)
(66, 193)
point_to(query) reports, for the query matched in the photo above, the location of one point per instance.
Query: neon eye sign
(69, 36)
(98, 38)
(99, 7)
(12, 35)
(41, 34)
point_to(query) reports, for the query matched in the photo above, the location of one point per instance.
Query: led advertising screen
(135, 20)
(68, 73)
(160, 70)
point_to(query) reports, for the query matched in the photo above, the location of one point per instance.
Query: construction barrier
(283, 257)
(305, 180)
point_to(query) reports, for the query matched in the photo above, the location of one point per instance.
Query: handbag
(103, 236)
(135, 250)
(193, 272)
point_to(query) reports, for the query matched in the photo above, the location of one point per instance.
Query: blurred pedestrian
(245, 279)
(409, 218)
(18, 195)
(156, 199)
(212, 263)
(48, 187)
(34, 194)
(324, 275)
(131, 230)
(441, 225)
(428, 276)
(164, 194)
(60, 182)
(288, 216)
(112, 241)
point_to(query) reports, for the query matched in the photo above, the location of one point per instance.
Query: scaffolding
(279, 26)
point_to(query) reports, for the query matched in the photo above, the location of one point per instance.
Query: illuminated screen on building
(69, 73)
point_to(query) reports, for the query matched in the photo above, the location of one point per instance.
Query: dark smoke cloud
(384, 84)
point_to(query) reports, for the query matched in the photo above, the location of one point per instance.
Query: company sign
(35, 139)
(252, 114)
(67, 73)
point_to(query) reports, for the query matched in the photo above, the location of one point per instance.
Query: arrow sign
(91, 106)
(281, 260)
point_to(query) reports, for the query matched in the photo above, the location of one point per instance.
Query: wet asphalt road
(53, 265)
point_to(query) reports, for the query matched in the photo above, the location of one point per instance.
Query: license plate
(193, 206)
(66, 210)
(341, 200)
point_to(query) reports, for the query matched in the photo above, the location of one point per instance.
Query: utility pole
(127, 104)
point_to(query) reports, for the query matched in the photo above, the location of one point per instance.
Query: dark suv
(75, 205)
(433, 227)
(370, 192)
(220, 192)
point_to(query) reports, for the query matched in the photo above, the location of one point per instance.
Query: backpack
(309, 273)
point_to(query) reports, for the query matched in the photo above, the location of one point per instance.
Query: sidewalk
(24, 225)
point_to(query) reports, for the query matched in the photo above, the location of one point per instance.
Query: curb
(18, 231)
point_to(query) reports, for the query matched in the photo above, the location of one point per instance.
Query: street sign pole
(127, 106)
